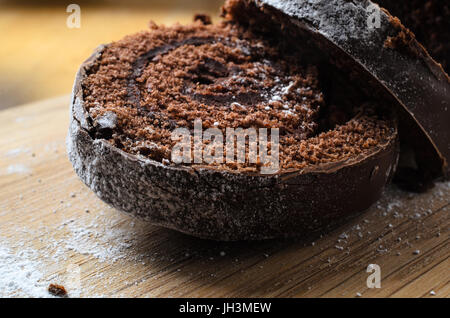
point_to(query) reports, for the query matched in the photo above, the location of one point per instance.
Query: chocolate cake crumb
(57, 290)
(403, 41)
(203, 18)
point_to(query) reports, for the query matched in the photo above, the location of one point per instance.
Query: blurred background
(40, 54)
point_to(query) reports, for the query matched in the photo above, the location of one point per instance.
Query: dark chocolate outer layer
(404, 71)
(222, 205)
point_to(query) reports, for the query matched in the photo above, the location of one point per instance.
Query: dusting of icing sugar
(276, 95)
(17, 151)
(337, 19)
(20, 274)
(100, 238)
(17, 169)
(21, 119)
(286, 89)
(27, 272)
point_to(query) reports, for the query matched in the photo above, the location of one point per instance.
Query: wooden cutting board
(54, 230)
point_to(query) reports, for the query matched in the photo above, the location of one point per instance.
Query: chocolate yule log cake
(287, 123)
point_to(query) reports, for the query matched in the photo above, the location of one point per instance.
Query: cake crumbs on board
(57, 290)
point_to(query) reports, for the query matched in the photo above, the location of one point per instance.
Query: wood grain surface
(53, 226)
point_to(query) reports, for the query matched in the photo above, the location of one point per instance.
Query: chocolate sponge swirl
(228, 78)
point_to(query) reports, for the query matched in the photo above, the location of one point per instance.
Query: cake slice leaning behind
(430, 22)
(338, 144)
(376, 49)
